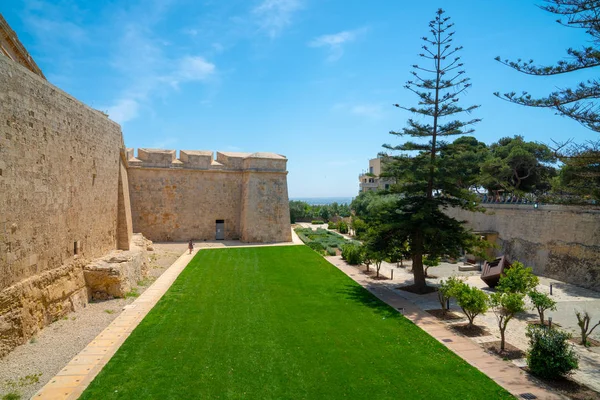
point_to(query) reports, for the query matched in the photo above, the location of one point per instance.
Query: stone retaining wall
(561, 242)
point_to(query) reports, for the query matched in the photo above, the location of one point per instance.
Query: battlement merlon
(203, 160)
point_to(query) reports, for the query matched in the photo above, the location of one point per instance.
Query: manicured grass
(280, 323)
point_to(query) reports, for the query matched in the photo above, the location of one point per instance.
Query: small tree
(378, 258)
(505, 306)
(471, 300)
(541, 302)
(517, 279)
(367, 257)
(447, 290)
(429, 261)
(549, 355)
(583, 320)
(352, 253)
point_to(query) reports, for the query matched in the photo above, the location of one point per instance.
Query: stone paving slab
(507, 375)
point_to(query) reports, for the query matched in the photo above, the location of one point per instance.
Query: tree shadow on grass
(366, 298)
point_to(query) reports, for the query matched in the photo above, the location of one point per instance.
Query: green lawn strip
(280, 322)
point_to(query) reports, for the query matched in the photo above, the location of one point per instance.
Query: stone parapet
(203, 160)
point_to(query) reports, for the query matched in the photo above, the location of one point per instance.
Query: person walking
(191, 246)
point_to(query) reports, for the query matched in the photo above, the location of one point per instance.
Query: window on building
(370, 170)
(387, 186)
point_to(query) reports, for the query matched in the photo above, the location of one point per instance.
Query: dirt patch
(546, 323)
(510, 352)
(444, 316)
(591, 342)
(470, 331)
(415, 290)
(570, 388)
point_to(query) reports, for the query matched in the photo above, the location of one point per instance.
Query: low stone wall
(32, 304)
(560, 242)
(115, 274)
(28, 306)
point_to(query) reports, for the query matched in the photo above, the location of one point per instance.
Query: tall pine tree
(424, 185)
(580, 102)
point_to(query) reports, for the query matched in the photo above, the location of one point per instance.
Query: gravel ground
(30, 366)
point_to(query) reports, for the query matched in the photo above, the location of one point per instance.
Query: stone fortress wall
(182, 198)
(561, 242)
(60, 164)
(67, 213)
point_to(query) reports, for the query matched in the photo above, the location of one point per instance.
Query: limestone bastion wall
(175, 199)
(60, 183)
(560, 242)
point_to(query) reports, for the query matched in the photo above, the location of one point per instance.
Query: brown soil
(447, 316)
(569, 388)
(413, 289)
(591, 342)
(545, 323)
(510, 352)
(470, 331)
(380, 277)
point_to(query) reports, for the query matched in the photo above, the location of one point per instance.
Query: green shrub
(316, 246)
(317, 222)
(550, 355)
(471, 300)
(331, 251)
(352, 253)
(342, 227)
(541, 302)
(331, 225)
(447, 290)
(517, 279)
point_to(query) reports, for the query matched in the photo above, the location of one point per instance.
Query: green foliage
(134, 292)
(302, 211)
(471, 300)
(316, 246)
(429, 261)
(462, 160)
(583, 321)
(359, 226)
(12, 396)
(352, 253)
(516, 165)
(550, 355)
(541, 302)
(517, 279)
(331, 225)
(342, 227)
(331, 251)
(505, 306)
(324, 238)
(317, 222)
(447, 290)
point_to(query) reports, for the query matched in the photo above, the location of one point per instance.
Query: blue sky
(313, 80)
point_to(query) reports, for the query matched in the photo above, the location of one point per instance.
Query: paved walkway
(507, 375)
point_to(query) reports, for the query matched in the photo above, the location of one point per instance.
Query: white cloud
(123, 110)
(274, 15)
(373, 111)
(335, 42)
(192, 68)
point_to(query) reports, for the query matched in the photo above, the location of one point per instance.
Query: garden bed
(470, 331)
(510, 352)
(447, 316)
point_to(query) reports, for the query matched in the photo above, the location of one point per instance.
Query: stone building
(71, 197)
(372, 180)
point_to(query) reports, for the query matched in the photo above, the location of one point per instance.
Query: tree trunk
(542, 316)
(417, 264)
(502, 338)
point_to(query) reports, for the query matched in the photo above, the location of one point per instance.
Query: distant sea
(320, 201)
